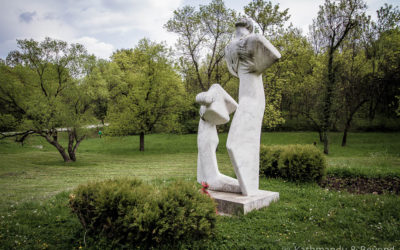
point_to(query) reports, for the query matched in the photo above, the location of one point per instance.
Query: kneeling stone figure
(216, 105)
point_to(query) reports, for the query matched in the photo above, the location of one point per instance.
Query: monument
(247, 56)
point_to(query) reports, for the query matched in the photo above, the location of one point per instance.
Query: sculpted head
(244, 23)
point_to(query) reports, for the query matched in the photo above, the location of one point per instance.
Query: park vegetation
(35, 190)
(298, 163)
(127, 213)
(342, 75)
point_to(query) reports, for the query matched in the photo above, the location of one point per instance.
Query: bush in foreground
(131, 213)
(293, 162)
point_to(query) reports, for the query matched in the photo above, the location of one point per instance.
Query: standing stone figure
(247, 56)
(216, 105)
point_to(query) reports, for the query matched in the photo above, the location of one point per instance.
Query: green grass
(34, 212)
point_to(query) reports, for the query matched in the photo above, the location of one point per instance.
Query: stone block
(236, 204)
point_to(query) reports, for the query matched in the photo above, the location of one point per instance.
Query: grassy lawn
(34, 184)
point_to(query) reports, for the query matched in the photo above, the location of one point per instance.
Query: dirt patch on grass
(363, 185)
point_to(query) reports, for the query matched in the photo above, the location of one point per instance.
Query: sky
(104, 26)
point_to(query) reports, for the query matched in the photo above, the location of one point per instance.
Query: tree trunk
(326, 142)
(141, 141)
(349, 119)
(321, 138)
(344, 139)
(371, 113)
(328, 101)
(76, 147)
(71, 139)
(60, 149)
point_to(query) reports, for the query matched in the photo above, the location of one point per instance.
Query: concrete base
(236, 204)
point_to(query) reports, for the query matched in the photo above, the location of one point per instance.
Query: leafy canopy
(150, 94)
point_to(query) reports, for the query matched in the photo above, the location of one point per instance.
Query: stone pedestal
(236, 204)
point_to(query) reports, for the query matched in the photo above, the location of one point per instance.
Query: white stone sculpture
(247, 56)
(216, 105)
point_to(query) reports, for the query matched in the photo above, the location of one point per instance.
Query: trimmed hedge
(303, 163)
(130, 213)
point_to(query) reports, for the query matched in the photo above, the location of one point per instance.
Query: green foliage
(288, 80)
(293, 162)
(185, 214)
(203, 36)
(398, 105)
(42, 88)
(131, 213)
(267, 16)
(7, 122)
(149, 94)
(189, 117)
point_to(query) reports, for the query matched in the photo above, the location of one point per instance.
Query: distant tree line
(346, 69)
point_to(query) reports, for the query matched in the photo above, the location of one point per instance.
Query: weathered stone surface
(247, 56)
(236, 204)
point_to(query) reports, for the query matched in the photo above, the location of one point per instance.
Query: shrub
(129, 213)
(185, 213)
(293, 162)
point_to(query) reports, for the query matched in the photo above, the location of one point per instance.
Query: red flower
(204, 189)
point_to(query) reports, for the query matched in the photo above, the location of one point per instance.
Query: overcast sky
(106, 25)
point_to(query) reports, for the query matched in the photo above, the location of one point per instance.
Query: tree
(40, 89)
(300, 71)
(268, 17)
(388, 70)
(334, 22)
(308, 94)
(379, 39)
(98, 77)
(150, 94)
(352, 85)
(206, 32)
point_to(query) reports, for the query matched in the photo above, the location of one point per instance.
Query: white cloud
(101, 25)
(100, 49)
(104, 25)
